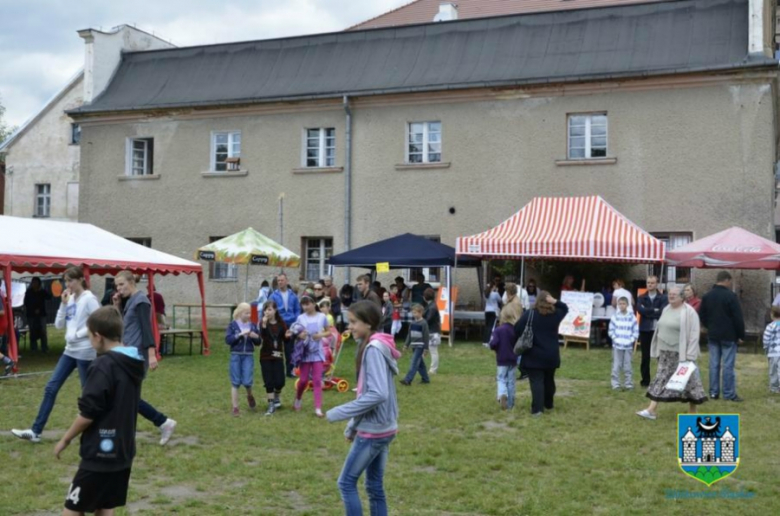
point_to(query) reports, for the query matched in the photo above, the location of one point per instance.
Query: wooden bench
(181, 331)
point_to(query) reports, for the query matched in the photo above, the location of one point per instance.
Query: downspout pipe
(348, 184)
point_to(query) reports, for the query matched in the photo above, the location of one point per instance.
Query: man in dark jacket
(649, 305)
(35, 308)
(721, 314)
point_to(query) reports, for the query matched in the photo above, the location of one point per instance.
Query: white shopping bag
(680, 378)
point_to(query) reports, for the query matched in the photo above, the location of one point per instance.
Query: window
(144, 241)
(672, 274)
(432, 274)
(221, 270)
(321, 147)
(43, 200)
(225, 151)
(588, 136)
(75, 134)
(424, 142)
(140, 156)
(316, 252)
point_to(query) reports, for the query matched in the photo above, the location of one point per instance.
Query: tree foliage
(5, 129)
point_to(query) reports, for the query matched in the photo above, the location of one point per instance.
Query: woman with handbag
(537, 334)
(676, 340)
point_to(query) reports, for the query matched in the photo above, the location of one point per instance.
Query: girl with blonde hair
(242, 335)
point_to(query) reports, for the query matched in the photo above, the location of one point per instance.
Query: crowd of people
(298, 329)
(665, 326)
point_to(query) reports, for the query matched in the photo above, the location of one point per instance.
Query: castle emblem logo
(708, 445)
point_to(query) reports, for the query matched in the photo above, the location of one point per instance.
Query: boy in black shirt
(108, 409)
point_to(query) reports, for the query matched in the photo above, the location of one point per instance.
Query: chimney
(448, 11)
(760, 27)
(103, 53)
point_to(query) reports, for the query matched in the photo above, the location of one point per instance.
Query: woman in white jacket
(77, 305)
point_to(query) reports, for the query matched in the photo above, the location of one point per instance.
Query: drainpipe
(348, 183)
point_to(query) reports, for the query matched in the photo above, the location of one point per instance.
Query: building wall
(696, 159)
(43, 154)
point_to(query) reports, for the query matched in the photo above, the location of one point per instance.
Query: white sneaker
(646, 414)
(27, 435)
(166, 431)
(318, 413)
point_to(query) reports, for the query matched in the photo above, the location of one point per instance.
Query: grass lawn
(456, 452)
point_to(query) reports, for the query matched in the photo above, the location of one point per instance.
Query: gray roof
(576, 45)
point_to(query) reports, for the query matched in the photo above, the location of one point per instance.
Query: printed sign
(383, 267)
(260, 259)
(578, 320)
(207, 255)
(444, 307)
(708, 445)
(475, 248)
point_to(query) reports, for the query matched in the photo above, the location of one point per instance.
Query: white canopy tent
(47, 246)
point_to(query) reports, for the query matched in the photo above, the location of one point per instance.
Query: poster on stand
(577, 322)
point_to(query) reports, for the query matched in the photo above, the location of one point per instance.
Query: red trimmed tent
(565, 228)
(46, 247)
(733, 248)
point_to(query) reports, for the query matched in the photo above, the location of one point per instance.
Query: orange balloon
(56, 288)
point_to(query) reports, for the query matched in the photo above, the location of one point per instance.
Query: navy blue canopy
(401, 252)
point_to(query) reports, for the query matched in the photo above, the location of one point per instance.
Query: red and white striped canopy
(566, 228)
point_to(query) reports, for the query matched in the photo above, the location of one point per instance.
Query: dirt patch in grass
(496, 425)
(175, 493)
(297, 501)
(189, 440)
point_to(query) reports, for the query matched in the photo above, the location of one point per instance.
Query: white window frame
(323, 267)
(231, 154)
(426, 153)
(588, 137)
(130, 161)
(44, 196)
(322, 148)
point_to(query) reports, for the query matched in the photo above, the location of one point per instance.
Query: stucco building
(42, 156)
(667, 110)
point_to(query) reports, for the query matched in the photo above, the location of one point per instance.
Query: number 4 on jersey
(73, 494)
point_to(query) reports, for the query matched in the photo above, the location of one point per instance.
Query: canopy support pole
(155, 326)
(522, 274)
(481, 285)
(450, 306)
(87, 276)
(9, 315)
(246, 284)
(661, 278)
(203, 322)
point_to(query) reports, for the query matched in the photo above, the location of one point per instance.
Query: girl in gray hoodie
(373, 416)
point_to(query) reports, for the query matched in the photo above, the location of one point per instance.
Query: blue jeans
(151, 414)
(505, 381)
(417, 365)
(242, 370)
(369, 455)
(728, 351)
(65, 366)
